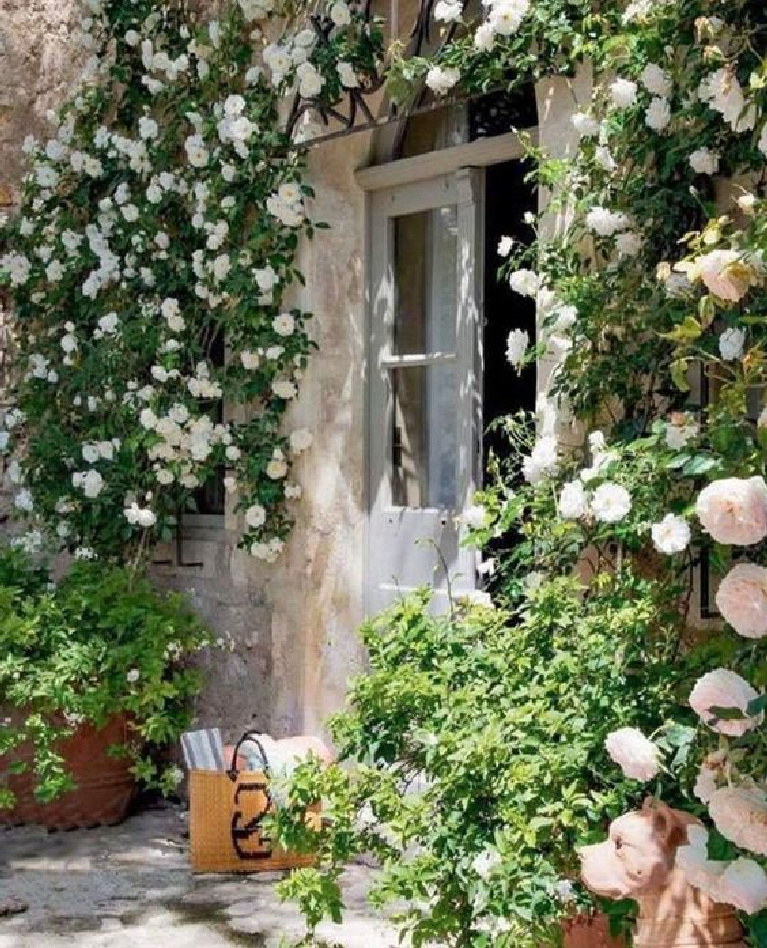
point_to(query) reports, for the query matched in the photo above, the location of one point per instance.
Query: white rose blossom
(441, 79)
(524, 282)
(610, 503)
(573, 501)
(671, 535)
(516, 347)
(623, 93)
(636, 755)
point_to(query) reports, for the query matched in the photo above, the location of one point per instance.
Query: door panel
(425, 383)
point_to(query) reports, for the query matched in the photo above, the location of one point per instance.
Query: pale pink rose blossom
(723, 689)
(692, 859)
(742, 883)
(723, 275)
(734, 510)
(742, 600)
(744, 886)
(635, 754)
(740, 815)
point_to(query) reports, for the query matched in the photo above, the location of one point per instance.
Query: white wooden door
(424, 418)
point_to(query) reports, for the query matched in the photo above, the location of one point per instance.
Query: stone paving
(129, 886)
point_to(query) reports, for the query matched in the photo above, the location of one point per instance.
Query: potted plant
(94, 678)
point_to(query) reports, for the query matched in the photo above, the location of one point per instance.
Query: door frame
(427, 172)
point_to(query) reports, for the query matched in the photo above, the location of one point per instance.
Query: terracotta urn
(105, 785)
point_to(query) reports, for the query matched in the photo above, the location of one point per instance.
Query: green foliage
(482, 735)
(98, 643)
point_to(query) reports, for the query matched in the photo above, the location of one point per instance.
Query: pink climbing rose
(734, 510)
(635, 754)
(740, 815)
(723, 689)
(742, 600)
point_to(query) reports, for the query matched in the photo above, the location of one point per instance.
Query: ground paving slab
(130, 886)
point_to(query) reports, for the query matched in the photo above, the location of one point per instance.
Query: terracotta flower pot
(589, 931)
(104, 788)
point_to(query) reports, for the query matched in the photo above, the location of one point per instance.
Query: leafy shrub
(99, 643)
(479, 763)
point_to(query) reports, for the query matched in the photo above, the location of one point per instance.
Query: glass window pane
(423, 438)
(425, 264)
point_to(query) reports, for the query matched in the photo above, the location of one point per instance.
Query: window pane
(425, 263)
(423, 441)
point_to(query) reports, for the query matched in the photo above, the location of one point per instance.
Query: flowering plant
(99, 643)
(473, 757)
(648, 270)
(151, 268)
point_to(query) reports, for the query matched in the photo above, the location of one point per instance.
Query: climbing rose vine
(153, 271)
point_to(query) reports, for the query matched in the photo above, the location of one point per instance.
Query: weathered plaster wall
(293, 624)
(37, 66)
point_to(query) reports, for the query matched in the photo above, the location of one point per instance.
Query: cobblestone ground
(129, 886)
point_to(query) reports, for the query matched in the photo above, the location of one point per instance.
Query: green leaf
(679, 375)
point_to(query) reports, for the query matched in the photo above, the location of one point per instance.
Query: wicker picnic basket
(226, 815)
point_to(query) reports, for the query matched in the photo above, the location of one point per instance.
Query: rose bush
(162, 219)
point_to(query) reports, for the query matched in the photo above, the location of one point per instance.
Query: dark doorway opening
(508, 197)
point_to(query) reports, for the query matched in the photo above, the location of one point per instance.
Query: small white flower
(671, 535)
(656, 80)
(340, 14)
(747, 203)
(516, 347)
(658, 114)
(486, 863)
(147, 127)
(277, 468)
(448, 11)
(284, 388)
(585, 125)
(610, 502)
(623, 93)
(606, 222)
(133, 676)
(543, 460)
(504, 246)
(731, 343)
(347, 75)
(284, 324)
(573, 501)
(442, 79)
(704, 161)
(255, 516)
(525, 282)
